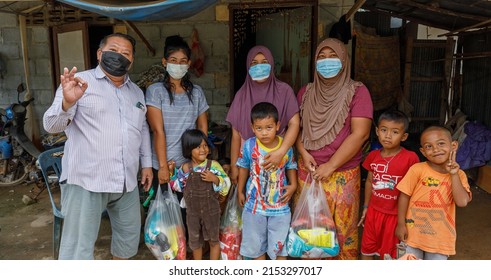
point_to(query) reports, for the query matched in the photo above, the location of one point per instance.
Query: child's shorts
(263, 234)
(379, 236)
(422, 255)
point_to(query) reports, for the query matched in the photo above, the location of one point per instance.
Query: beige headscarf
(326, 102)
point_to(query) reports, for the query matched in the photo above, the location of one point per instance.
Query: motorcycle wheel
(16, 172)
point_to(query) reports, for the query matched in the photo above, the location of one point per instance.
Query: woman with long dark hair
(174, 105)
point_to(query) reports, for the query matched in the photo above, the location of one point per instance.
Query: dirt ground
(26, 231)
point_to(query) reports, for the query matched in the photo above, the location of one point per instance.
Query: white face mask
(177, 71)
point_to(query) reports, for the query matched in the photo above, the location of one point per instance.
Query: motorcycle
(18, 154)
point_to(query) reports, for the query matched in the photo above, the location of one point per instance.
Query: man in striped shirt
(103, 115)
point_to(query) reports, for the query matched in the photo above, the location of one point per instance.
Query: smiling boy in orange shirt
(429, 193)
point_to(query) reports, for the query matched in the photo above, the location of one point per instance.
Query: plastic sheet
(143, 10)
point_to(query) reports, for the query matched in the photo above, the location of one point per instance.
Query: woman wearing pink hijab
(261, 85)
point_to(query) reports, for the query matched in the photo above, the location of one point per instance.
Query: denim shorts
(422, 255)
(263, 234)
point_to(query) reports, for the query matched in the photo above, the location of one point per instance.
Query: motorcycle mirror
(21, 88)
(25, 103)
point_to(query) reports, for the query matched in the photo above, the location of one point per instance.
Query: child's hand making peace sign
(452, 166)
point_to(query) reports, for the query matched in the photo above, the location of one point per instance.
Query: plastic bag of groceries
(312, 230)
(231, 228)
(164, 231)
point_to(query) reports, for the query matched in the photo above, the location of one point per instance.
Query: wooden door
(71, 47)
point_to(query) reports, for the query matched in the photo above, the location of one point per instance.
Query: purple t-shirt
(361, 107)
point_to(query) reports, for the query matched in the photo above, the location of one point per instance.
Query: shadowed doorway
(286, 29)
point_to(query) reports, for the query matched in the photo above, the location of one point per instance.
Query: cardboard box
(484, 178)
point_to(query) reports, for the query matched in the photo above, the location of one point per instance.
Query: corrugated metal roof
(448, 15)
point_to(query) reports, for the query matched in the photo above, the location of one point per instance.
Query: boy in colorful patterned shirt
(429, 193)
(266, 215)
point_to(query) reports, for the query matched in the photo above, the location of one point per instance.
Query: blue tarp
(143, 10)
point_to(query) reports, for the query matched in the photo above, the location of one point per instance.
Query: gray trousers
(82, 211)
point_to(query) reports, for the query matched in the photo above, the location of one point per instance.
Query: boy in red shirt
(386, 168)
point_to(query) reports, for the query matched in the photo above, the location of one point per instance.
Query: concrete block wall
(40, 82)
(214, 41)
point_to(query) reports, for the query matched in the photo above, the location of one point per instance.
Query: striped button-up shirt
(107, 134)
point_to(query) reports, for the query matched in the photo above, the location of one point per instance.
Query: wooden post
(446, 108)
(32, 126)
(458, 75)
(353, 9)
(407, 67)
(140, 35)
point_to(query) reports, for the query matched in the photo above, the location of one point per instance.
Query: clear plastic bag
(164, 231)
(175, 214)
(312, 230)
(231, 228)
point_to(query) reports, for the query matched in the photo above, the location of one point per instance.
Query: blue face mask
(328, 67)
(260, 71)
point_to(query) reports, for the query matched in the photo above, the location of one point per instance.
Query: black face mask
(114, 63)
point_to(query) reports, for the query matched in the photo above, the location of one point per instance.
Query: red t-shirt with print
(386, 174)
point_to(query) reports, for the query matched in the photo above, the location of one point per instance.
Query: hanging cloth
(197, 55)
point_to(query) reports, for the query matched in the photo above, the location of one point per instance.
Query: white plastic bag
(312, 231)
(164, 230)
(231, 228)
